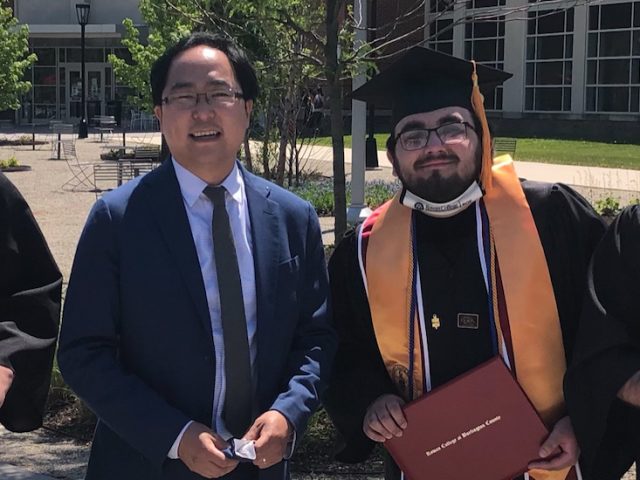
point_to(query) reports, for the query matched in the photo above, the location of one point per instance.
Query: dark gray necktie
(237, 362)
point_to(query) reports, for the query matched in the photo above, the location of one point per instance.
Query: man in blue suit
(197, 305)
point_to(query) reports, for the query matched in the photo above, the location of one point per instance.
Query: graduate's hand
(6, 379)
(384, 418)
(201, 451)
(560, 449)
(271, 431)
(630, 391)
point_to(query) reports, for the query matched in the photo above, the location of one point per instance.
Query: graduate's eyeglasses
(448, 134)
(221, 97)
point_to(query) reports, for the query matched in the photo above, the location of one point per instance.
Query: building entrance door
(94, 92)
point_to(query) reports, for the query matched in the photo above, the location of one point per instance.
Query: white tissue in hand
(244, 448)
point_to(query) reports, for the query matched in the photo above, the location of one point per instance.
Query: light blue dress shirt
(200, 213)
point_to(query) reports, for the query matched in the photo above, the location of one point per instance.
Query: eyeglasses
(221, 98)
(448, 134)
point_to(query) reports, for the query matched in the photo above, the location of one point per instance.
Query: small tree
(14, 58)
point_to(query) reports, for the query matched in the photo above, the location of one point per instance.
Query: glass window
(62, 92)
(550, 47)
(568, 73)
(568, 46)
(548, 99)
(531, 70)
(569, 15)
(636, 14)
(46, 56)
(549, 73)
(531, 23)
(594, 18)
(61, 76)
(592, 70)
(566, 99)
(613, 99)
(529, 98)
(636, 41)
(591, 99)
(616, 15)
(44, 94)
(635, 71)
(44, 75)
(615, 44)
(444, 29)
(592, 47)
(613, 71)
(635, 99)
(551, 23)
(531, 48)
(445, 48)
(94, 55)
(485, 29)
(484, 50)
(73, 55)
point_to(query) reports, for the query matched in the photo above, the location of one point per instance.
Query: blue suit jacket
(136, 343)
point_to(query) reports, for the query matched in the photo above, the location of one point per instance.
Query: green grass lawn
(566, 152)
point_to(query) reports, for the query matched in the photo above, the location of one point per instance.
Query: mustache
(436, 157)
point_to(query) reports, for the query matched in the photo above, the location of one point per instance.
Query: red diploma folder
(479, 426)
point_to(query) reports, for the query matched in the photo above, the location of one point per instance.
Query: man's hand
(560, 450)
(200, 450)
(6, 379)
(271, 431)
(630, 391)
(384, 418)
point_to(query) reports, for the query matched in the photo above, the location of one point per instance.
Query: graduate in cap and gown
(30, 290)
(602, 386)
(464, 263)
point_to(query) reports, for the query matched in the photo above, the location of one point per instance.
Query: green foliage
(9, 162)
(320, 194)
(608, 206)
(14, 58)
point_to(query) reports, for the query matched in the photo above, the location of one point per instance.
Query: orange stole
(530, 300)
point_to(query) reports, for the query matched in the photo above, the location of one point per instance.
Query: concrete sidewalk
(10, 472)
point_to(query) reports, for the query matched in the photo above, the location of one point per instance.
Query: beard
(436, 188)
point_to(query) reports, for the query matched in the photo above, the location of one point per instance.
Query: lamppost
(82, 11)
(371, 149)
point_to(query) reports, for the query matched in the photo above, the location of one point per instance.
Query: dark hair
(242, 68)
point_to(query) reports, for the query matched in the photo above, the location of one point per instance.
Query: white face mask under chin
(442, 210)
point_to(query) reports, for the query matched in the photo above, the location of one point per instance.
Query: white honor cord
(485, 274)
(423, 334)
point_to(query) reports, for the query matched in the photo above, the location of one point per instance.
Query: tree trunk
(267, 139)
(247, 154)
(333, 74)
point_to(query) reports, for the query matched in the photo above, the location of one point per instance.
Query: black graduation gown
(607, 354)
(452, 283)
(30, 291)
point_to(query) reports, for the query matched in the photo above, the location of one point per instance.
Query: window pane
(529, 99)
(531, 69)
(635, 99)
(617, 15)
(550, 47)
(568, 73)
(593, 17)
(44, 75)
(636, 41)
(485, 29)
(44, 95)
(636, 15)
(485, 3)
(445, 32)
(592, 49)
(551, 23)
(484, 50)
(94, 55)
(591, 71)
(531, 24)
(548, 99)
(614, 44)
(549, 73)
(613, 99)
(501, 27)
(73, 55)
(499, 98)
(569, 15)
(613, 71)
(635, 71)
(591, 100)
(61, 76)
(566, 100)
(63, 57)
(501, 49)
(568, 46)
(531, 48)
(62, 92)
(46, 56)
(445, 47)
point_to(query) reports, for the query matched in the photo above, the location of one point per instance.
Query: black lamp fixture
(82, 11)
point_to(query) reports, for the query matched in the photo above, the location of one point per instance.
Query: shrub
(608, 207)
(9, 162)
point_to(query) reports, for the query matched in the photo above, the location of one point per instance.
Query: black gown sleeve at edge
(359, 375)
(608, 353)
(30, 291)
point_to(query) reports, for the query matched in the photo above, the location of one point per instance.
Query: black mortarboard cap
(423, 80)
